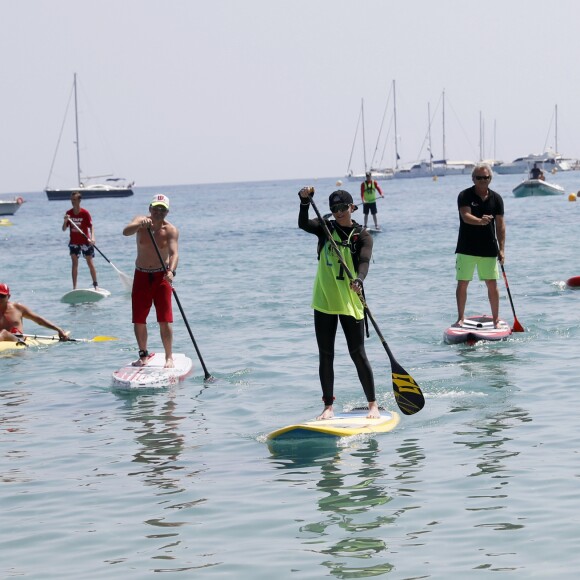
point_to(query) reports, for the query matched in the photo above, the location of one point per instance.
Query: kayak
(6, 345)
(475, 328)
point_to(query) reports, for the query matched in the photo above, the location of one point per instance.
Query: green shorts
(465, 266)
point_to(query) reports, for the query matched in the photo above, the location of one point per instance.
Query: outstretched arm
(41, 321)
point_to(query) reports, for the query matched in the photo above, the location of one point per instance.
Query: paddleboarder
(12, 315)
(368, 195)
(152, 282)
(481, 222)
(335, 296)
(78, 242)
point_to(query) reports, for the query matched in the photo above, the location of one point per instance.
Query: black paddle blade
(408, 394)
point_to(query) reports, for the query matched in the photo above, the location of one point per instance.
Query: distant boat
(90, 189)
(10, 206)
(531, 187)
(548, 161)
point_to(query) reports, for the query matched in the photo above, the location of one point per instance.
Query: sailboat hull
(88, 192)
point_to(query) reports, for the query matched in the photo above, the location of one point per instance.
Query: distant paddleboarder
(368, 194)
(78, 242)
(151, 284)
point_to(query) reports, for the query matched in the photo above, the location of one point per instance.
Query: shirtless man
(11, 315)
(151, 285)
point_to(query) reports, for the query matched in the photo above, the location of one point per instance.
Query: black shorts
(372, 207)
(86, 249)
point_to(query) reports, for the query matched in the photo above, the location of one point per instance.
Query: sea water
(99, 484)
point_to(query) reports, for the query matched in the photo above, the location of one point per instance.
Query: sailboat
(111, 187)
(376, 174)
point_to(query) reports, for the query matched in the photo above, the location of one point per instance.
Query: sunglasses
(339, 207)
(482, 177)
(159, 208)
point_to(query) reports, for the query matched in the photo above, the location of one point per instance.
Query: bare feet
(140, 362)
(169, 364)
(459, 323)
(327, 413)
(374, 412)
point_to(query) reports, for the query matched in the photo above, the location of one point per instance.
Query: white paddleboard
(82, 295)
(153, 375)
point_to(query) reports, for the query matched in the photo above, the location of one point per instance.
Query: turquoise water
(97, 484)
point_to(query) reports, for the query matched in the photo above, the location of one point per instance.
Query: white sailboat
(111, 187)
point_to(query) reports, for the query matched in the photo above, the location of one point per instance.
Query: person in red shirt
(368, 194)
(80, 242)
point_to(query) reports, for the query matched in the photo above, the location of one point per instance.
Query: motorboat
(531, 187)
(90, 189)
(548, 162)
(10, 206)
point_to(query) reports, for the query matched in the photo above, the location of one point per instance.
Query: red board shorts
(150, 287)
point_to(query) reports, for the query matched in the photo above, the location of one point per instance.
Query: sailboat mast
(556, 129)
(395, 123)
(362, 111)
(444, 155)
(429, 132)
(77, 132)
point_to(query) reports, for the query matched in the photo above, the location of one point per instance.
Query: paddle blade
(408, 394)
(517, 326)
(103, 338)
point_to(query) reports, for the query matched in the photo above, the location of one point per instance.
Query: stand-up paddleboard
(6, 345)
(573, 282)
(374, 230)
(153, 375)
(341, 425)
(82, 295)
(476, 328)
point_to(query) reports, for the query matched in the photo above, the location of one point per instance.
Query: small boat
(573, 282)
(10, 206)
(531, 187)
(476, 328)
(112, 186)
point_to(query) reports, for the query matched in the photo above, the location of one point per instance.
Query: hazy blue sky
(188, 91)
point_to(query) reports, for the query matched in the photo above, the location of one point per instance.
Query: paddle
(208, 377)
(407, 392)
(517, 327)
(94, 339)
(127, 281)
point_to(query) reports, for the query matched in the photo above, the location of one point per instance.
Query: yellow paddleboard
(341, 425)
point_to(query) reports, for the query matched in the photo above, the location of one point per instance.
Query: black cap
(340, 196)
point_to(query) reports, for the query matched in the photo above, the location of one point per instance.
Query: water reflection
(160, 425)
(355, 489)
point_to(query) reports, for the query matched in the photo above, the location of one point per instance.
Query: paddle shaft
(206, 372)
(517, 326)
(88, 239)
(408, 394)
(95, 339)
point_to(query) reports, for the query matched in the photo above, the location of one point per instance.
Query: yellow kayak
(6, 345)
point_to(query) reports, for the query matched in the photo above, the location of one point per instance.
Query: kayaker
(12, 315)
(335, 296)
(481, 223)
(151, 284)
(78, 242)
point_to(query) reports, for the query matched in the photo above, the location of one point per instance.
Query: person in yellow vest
(335, 297)
(368, 195)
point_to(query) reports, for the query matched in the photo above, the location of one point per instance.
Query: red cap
(4, 289)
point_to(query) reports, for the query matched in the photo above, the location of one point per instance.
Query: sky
(189, 91)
